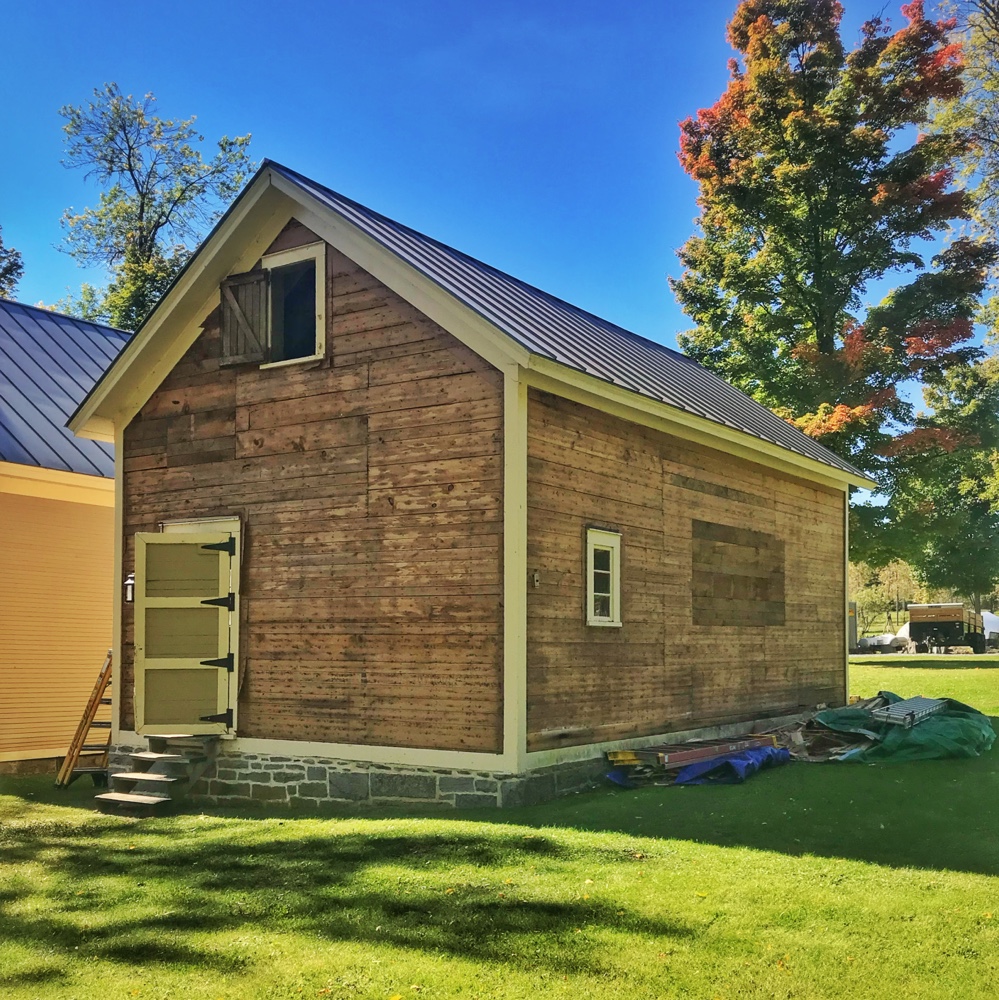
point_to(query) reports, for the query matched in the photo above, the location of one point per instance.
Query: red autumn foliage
(930, 338)
(923, 439)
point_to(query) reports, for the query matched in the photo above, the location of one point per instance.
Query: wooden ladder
(82, 741)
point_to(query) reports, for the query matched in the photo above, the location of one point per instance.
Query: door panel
(185, 635)
(181, 571)
(173, 697)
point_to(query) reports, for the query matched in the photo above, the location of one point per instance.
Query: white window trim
(599, 539)
(310, 251)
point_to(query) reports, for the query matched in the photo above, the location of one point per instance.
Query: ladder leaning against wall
(86, 744)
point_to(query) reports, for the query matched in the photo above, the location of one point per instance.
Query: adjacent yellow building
(56, 529)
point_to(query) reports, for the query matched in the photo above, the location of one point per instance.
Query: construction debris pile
(698, 762)
(887, 728)
(882, 728)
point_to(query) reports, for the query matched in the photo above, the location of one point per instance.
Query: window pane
(601, 606)
(602, 559)
(601, 583)
(293, 311)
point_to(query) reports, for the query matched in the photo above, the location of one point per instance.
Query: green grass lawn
(971, 679)
(815, 880)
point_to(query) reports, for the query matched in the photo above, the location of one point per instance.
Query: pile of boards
(883, 728)
(697, 762)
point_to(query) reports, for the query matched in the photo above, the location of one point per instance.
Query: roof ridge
(63, 315)
(481, 263)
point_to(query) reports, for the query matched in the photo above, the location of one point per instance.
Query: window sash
(603, 577)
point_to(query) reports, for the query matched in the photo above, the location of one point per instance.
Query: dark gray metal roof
(48, 363)
(552, 328)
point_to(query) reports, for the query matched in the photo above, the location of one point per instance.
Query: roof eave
(249, 225)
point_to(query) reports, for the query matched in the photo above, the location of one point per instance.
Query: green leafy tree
(11, 269)
(811, 190)
(974, 115)
(942, 514)
(159, 196)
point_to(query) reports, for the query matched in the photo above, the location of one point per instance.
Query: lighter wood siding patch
(370, 487)
(55, 618)
(666, 668)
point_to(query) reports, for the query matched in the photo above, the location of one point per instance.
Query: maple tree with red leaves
(814, 189)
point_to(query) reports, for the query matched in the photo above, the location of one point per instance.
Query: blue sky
(539, 136)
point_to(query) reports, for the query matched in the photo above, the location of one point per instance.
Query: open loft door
(186, 621)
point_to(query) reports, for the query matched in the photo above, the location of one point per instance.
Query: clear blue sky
(539, 136)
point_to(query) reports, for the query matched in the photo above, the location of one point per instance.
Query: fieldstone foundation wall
(246, 777)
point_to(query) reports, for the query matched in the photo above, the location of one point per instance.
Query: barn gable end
(369, 486)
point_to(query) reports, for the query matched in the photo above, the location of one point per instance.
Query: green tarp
(955, 731)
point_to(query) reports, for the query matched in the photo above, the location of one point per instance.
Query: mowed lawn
(845, 881)
(971, 679)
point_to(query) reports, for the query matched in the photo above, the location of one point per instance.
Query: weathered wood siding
(705, 538)
(370, 489)
(55, 618)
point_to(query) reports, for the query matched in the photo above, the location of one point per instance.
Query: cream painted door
(185, 633)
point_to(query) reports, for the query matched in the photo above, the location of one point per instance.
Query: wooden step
(187, 742)
(105, 701)
(152, 757)
(100, 724)
(132, 802)
(145, 776)
(93, 748)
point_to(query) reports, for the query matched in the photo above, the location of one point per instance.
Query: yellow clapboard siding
(55, 618)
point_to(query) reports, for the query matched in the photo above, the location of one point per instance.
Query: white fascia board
(561, 380)
(150, 355)
(435, 302)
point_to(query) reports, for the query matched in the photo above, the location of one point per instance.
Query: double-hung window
(603, 577)
(276, 315)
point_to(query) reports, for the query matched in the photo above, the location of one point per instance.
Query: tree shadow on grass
(938, 814)
(145, 896)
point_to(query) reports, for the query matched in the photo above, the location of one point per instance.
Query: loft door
(185, 633)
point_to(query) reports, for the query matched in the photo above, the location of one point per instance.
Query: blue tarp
(733, 768)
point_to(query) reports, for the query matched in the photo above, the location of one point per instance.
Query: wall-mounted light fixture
(130, 588)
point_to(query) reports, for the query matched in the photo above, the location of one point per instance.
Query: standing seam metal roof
(552, 328)
(48, 364)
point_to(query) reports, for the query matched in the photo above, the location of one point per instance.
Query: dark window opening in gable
(293, 311)
(276, 314)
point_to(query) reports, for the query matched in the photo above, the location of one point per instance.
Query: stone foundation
(314, 781)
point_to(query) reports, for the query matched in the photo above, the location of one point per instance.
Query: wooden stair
(84, 744)
(160, 777)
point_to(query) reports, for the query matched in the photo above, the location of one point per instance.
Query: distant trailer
(941, 626)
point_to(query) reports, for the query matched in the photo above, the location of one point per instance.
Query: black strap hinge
(227, 662)
(229, 602)
(225, 717)
(227, 546)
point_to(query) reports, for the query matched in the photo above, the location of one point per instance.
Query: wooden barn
(56, 528)
(405, 526)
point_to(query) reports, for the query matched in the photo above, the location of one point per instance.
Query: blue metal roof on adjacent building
(552, 328)
(48, 363)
